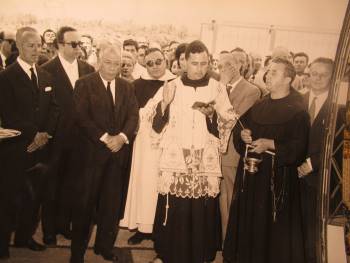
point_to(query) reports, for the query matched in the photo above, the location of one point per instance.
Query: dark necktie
(111, 103)
(228, 88)
(312, 110)
(34, 79)
(110, 94)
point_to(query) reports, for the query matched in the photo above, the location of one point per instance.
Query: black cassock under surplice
(253, 236)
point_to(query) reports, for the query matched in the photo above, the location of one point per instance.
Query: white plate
(8, 133)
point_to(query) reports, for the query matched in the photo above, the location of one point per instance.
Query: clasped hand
(114, 143)
(40, 139)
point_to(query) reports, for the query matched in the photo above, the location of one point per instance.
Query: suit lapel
(237, 91)
(42, 80)
(62, 72)
(118, 96)
(81, 69)
(322, 113)
(20, 77)
(306, 100)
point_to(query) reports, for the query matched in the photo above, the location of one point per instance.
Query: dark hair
(196, 46)
(130, 42)
(89, 37)
(301, 54)
(48, 30)
(60, 34)
(153, 49)
(143, 47)
(238, 49)
(267, 60)
(323, 60)
(224, 52)
(2, 36)
(179, 50)
(289, 70)
(173, 42)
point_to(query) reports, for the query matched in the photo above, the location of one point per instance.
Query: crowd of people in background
(154, 139)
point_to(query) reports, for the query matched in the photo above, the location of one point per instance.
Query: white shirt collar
(234, 85)
(71, 69)
(167, 76)
(321, 98)
(3, 58)
(26, 67)
(66, 63)
(105, 83)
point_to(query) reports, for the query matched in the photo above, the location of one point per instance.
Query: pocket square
(47, 89)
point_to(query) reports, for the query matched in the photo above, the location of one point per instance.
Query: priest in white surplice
(142, 192)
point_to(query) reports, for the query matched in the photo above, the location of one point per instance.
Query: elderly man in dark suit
(107, 117)
(317, 103)
(65, 69)
(27, 104)
(242, 95)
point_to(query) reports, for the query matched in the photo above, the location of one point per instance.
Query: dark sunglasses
(151, 63)
(73, 44)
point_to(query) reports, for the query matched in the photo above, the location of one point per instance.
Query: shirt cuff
(104, 137)
(308, 160)
(125, 137)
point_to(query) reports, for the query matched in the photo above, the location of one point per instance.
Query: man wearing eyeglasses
(142, 193)
(27, 104)
(65, 69)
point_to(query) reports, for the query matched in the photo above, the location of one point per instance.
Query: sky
(312, 14)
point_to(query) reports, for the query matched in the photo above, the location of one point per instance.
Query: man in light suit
(242, 95)
(107, 117)
(27, 104)
(317, 102)
(65, 69)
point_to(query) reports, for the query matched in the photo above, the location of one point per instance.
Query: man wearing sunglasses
(142, 194)
(65, 69)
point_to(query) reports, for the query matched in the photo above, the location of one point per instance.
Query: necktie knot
(33, 78)
(110, 94)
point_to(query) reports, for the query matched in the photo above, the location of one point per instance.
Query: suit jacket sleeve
(132, 113)
(248, 101)
(53, 114)
(84, 121)
(9, 114)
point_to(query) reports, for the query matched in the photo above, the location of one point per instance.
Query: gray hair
(22, 31)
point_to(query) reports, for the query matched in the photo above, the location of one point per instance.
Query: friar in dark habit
(265, 222)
